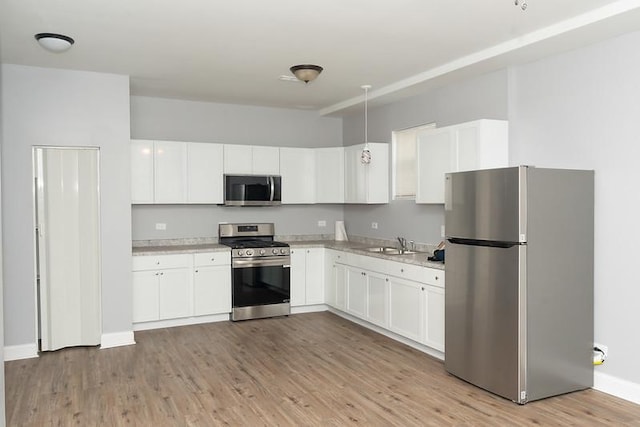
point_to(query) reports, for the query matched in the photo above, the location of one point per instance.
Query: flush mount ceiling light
(54, 42)
(306, 72)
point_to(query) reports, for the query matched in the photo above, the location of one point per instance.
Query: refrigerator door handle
(489, 243)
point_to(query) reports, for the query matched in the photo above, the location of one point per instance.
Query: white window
(404, 161)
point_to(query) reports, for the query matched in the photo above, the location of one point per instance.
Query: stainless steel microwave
(252, 190)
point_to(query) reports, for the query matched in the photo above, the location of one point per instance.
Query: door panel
(484, 205)
(482, 316)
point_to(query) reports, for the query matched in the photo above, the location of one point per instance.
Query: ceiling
(234, 51)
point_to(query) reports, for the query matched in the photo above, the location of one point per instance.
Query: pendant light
(365, 156)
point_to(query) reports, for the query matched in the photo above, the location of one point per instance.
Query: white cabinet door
(145, 296)
(265, 160)
(378, 299)
(406, 308)
(204, 173)
(298, 278)
(297, 168)
(211, 290)
(367, 183)
(170, 160)
(175, 293)
(330, 175)
(357, 292)
(314, 276)
(141, 171)
(340, 287)
(238, 159)
(435, 157)
(434, 317)
(480, 144)
(354, 176)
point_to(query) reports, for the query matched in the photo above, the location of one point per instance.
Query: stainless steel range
(260, 271)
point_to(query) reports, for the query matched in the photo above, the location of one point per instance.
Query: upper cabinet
(481, 144)
(366, 183)
(251, 160)
(329, 175)
(175, 172)
(297, 168)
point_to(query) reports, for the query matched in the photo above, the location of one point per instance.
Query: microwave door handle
(272, 186)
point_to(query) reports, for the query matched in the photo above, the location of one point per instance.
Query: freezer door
(486, 204)
(483, 317)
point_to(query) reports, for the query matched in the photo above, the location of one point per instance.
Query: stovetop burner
(251, 240)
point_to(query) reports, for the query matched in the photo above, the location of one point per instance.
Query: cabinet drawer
(433, 277)
(212, 258)
(154, 262)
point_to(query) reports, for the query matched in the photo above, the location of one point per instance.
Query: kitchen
(551, 124)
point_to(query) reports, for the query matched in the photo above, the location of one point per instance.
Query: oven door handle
(282, 261)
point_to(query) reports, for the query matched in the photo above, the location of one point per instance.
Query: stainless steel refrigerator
(519, 289)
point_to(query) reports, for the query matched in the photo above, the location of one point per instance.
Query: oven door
(261, 281)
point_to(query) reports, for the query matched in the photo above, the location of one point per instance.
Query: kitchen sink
(389, 250)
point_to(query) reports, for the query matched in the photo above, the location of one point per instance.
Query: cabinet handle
(212, 259)
(157, 274)
(423, 288)
(196, 271)
(308, 251)
(386, 280)
(157, 262)
(402, 270)
(162, 274)
(436, 277)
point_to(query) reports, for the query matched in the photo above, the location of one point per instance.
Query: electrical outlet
(374, 225)
(602, 347)
(442, 231)
(161, 226)
(322, 223)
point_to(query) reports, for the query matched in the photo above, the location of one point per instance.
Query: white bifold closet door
(68, 224)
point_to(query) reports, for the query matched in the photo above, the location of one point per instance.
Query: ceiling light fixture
(365, 156)
(54, 42)
(306, 72)
(522, 3)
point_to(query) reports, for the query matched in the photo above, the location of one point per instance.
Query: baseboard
(180, 322)
(17, 352)
(309, 308)
(117, 339)
(614, 386)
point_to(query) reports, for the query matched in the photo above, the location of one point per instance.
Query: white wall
(581, 110)
(2, 399)
(64, 108)
(170, 119)
(483, 97)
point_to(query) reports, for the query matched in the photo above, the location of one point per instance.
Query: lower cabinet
(411, 306)
(307, 276)
(183, 285)
(211, 283)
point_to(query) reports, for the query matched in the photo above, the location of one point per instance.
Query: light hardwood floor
(308, 369)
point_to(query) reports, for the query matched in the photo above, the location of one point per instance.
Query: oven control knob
(282, 251)
(262, 251)
(275, 251)
(240, 253)
(249, 252)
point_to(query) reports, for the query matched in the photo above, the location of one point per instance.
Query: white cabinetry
(170, 172)
(170, 287)
(175, 172)
(212, 283)
(141, 171)
(297, 168)
(481, 144)
(329, 172)
(161, 287)
(403, 298)
(251, 159)
(204, 173)
(366, 183)
(307, 276)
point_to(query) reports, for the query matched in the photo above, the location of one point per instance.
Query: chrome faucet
(403, 243)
